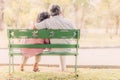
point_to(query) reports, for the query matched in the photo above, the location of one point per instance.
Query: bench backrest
(44, 33)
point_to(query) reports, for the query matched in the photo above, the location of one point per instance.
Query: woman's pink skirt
(29, 52)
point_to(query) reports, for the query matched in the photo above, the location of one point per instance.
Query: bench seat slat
(43, 45)
(48, 53)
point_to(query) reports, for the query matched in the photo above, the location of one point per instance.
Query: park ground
(94, 50)
(52, 73)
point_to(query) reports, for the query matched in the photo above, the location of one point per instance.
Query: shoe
(22, 69)
(36, 70)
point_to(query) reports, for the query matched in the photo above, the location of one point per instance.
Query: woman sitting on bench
(27, 52)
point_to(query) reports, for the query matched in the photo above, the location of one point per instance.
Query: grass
(84, 74)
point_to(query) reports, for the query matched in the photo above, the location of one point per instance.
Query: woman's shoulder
(40, 25)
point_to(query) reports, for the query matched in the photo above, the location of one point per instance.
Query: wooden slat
(48, 53)
(43, 45)
(43, 33)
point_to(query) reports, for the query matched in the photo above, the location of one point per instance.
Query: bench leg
(12, 63)
(9, 64)
(76, 66)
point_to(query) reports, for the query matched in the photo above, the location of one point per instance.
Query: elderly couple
(56, 21)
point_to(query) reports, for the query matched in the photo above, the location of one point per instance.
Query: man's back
(57, 22)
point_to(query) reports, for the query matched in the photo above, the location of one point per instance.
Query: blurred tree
(76, 7)
(94, 14)
(110, 10)
(16, 12)
(83, 6)
(105, 7)
(47, 4)
(115, 9)
(1, 14)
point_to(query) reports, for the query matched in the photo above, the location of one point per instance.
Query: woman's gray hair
(55, 10)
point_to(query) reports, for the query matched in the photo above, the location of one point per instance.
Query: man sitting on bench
(57, 21)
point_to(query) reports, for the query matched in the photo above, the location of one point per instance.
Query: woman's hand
(34, 27)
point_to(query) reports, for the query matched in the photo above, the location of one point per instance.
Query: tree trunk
(108, 18)
(75, 12)
(18, 15)
(117, 24)
(1, 14)
(47, 4)
(82, 17)
(107, 25)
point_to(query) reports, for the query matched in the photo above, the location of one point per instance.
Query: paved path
(97, 56)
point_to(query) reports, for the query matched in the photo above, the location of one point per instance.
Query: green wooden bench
(14, 34)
